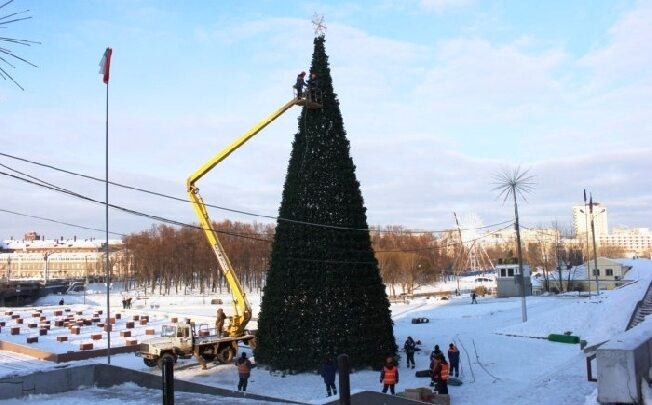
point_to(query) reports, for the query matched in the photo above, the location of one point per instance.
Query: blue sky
(436, 95)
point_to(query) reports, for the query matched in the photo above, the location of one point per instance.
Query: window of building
(510, 272)
(610, 272)
(596, 272)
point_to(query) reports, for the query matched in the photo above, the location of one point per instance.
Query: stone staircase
(643, 309)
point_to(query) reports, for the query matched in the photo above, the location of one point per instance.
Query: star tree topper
(318, 24)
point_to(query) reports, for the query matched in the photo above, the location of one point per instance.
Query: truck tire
(225, 355)
(163, 357)
(150, 362)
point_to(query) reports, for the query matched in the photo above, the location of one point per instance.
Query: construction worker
(410, 347)
(440, 375)
(300, 84)
(389, 375)
(244, 371)
(436, 352)
(473, 301)
(219, 322)
(328, 371)
(454, 360)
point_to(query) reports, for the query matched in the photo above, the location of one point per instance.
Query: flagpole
(106, 213)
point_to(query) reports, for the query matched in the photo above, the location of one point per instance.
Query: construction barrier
(564, 338)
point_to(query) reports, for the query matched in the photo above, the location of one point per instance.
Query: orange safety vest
(444, 371)
(390, 375)
(243, 368)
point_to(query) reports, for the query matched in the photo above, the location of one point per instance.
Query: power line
(129, 211)
(58, 222)
(235, 211)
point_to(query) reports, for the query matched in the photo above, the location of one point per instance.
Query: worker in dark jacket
(300, 84)
(313, 85)
(244, 371)
(436, 352)
(410, 347)
(454, 360)
(328, 371)
(389, 375)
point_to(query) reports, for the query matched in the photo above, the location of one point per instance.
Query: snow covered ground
(503, 359)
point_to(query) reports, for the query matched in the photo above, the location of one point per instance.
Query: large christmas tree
(324, 294)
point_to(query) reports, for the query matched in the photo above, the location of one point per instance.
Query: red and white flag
(105, 65)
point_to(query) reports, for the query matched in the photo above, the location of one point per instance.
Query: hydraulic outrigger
(242, 308)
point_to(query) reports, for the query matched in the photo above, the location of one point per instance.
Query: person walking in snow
(410, 347)
(244, 371)
(389, 375)
(440, 375)
(300, 84)
(454, 359)
(327, 372)
(473, 301)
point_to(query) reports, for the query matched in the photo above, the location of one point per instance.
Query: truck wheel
(161, 359)
(225, 355)
(150, 362)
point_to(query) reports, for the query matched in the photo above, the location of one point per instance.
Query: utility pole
(520, 261)
(595, 250)
(588, 251)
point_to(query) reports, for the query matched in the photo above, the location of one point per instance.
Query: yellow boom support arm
(242, 308)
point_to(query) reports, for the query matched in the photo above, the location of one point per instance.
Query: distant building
(35, 258)
(582, 220)
(635, 241)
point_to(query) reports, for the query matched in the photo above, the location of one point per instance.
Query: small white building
(509, 279)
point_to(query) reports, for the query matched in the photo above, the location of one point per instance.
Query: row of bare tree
(168, 258)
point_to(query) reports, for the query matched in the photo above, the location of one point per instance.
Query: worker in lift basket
(300, 84)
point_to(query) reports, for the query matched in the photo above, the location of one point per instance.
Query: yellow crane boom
(242, 308)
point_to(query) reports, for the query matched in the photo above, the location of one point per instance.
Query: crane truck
(182, 340)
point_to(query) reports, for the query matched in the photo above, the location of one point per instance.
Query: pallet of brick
(58, 323)
(150, 332)
(62, 338)
(95, 320)
(108, 328)
(15, 330)
(58, 312)
(42, 332)
(36, 314)
(9, 313)
(80, 312)
(15, 316)
(112, 321)
(3, 323)
(74, 330)
(136, 317)
(67, 310)
(145, 317)
(19, 321)
(31, 325)
(32, 339)
(118, 316)
(174, 320)
(131, 342)
(44, 326)
(143, 321)
(86, 346)
(96, 336)
(125, 333)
